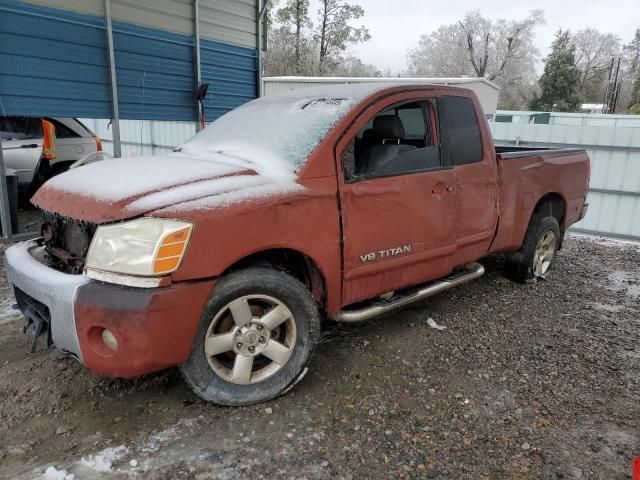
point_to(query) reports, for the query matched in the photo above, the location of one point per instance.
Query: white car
(22, 139)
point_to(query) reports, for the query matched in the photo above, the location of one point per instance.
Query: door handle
(449, 188)
(29, 145)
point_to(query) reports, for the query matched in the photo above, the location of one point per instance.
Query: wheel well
(554, 205)
(294, 263)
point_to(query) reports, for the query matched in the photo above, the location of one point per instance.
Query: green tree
(294, 17)
(559, 82)
(335, 33)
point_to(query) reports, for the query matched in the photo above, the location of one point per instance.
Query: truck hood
(117, 189)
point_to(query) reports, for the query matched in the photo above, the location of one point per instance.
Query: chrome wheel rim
(250, 339)
(543, 255)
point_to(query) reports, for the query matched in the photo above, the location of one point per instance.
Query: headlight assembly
(145, 247)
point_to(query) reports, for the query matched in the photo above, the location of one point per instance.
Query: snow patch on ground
(608, 308)
(52, 473)
(629, 282)
(103, 461)
(608, 241)
(7, 313)
(432, 323)
(158, 439)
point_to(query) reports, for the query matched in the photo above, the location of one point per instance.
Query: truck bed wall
(524, 180)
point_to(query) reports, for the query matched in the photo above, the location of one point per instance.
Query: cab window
(463, 131)
(400, 139)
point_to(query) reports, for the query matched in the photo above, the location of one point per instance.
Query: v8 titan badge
(382, 254)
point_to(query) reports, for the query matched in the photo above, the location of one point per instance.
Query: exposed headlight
(145, 246)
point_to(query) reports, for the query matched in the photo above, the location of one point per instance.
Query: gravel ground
(527, 381)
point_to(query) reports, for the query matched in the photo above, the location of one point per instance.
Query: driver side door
(397, 214)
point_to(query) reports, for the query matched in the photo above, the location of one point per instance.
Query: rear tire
(256, 335)
(538, 252)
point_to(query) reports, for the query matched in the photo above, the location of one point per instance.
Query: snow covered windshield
(277, 133)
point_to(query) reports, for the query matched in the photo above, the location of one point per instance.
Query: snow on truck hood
(117, 189)
(252, 151)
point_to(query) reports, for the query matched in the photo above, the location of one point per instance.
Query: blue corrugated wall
(55, 63)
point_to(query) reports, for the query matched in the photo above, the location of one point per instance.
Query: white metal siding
(228, 21)
(577, 119)
(143, 137)
(614, 196)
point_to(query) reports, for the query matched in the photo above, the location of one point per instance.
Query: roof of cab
(359, 91)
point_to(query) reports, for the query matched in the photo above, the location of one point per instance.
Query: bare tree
(354, 67)
(594, 51)
(440, 54)
(493, 45)
(499, 50)
(335, 33)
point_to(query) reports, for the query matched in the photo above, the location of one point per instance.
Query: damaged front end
(63, 247)
(66, 242)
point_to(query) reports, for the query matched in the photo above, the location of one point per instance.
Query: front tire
(538, 252)
(256, 336)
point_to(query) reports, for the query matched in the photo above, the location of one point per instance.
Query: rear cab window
(462, 130)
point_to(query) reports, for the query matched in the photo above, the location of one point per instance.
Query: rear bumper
(583, 213)
(154, 327)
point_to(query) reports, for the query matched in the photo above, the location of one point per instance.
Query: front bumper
(56, 290)
(154, 327)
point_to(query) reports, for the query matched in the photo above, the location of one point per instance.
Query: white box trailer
(487, 91)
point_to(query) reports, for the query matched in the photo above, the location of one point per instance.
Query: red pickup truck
(339, 202)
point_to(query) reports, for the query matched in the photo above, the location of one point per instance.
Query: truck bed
(527, 174)
(506, 152)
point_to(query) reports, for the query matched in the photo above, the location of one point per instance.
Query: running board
(471, 272)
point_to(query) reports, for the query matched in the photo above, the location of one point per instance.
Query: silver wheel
(250, 339)
(544, 253)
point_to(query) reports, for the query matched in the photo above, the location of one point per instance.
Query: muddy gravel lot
(526, 381)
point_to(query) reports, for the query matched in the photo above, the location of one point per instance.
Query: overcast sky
(396, 25)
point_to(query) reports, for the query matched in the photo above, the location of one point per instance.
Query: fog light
(109, 340)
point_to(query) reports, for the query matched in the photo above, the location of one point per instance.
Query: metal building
(613, 144)
(54, 57)
(126, 59)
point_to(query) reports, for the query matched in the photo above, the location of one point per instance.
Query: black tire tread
(519, 264)
(255, 280)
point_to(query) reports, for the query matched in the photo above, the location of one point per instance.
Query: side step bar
(471, 272)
